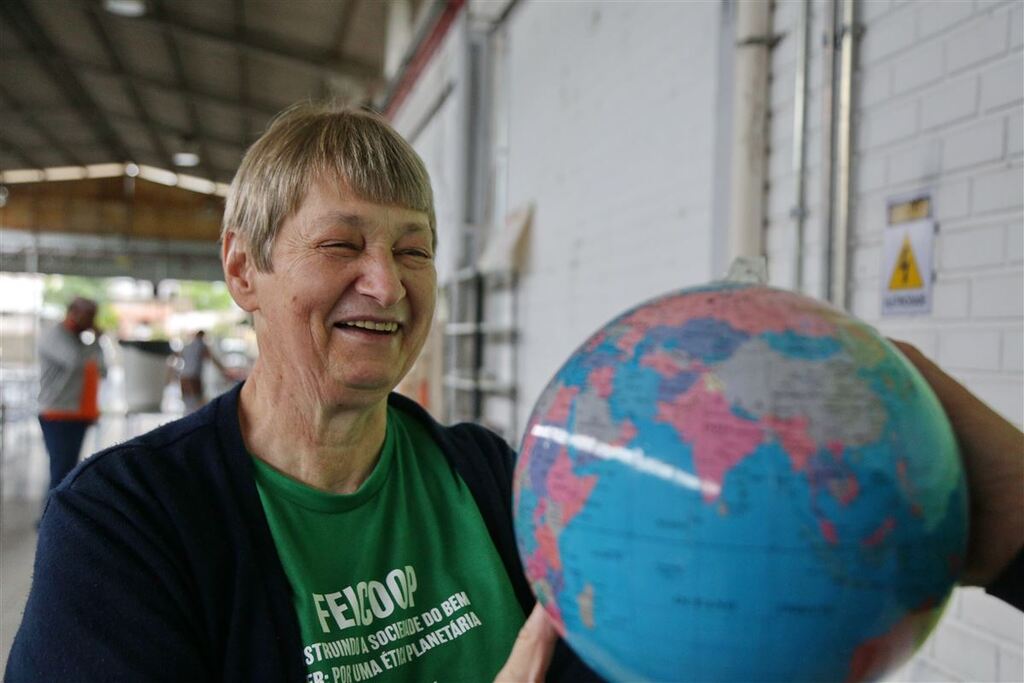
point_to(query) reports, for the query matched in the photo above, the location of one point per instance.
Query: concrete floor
(23, 481)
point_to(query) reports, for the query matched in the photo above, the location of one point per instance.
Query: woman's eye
(418, 253)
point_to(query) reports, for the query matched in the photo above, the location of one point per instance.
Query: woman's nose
(380, 279)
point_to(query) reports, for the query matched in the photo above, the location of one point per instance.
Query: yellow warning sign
(913, 209)
(906, 274)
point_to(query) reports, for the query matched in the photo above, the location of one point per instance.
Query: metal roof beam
(117, 116)
(33, 123)
(252, 106)
(182, 81)
(325, 61)
(98, 24)
(52, 59)
(243, 70)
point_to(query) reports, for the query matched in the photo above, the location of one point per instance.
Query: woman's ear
(239, 271)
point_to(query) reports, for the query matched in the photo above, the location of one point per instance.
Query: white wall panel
(611, 128)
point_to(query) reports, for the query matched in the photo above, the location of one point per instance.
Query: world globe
(739, 483)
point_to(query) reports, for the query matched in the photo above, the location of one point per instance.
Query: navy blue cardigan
(155, 561)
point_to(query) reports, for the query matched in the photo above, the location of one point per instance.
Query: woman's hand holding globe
(993, 455)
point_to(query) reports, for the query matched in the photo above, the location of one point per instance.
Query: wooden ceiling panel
(118, 206)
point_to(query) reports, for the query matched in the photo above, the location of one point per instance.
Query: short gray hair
(307, 142)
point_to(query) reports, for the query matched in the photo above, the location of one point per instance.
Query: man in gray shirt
(193, 356)
(69, 382)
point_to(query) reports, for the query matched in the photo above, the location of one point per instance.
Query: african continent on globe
(738, 483)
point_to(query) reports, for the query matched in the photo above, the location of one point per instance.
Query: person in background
(193, 357)
(69, 382)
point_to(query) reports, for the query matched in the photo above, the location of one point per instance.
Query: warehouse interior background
(585, 156)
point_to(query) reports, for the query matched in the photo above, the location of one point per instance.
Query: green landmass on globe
(739, 483)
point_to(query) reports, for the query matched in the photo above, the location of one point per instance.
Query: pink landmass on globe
(627, 432)
(566, 488)
(567, 493)
(558, 413)
(547, 549)
(844, 490)
(719, 438)
(878, 536)
(595, 341)
(753, 311)
(797, 443)
(601, 379)
(873, 657)
(663, 363)
(828, 530)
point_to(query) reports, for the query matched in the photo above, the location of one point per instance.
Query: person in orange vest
(69, 382)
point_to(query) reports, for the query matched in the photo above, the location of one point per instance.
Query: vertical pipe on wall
(844, 180)
(799, 211)
(750, 117)
(828, 135)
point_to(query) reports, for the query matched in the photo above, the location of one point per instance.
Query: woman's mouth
(369, 326)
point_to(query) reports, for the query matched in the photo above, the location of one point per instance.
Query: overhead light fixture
(187, 159)
(126, 8)
(187, 154)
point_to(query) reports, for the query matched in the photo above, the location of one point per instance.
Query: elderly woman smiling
(309, 524)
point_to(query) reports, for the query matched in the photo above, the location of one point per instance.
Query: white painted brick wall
(999, 190)
(983, 38)
(939, 108)
(978, 143)
(970, 349)
(1003, 85)
(971, 248)
(950, 102)
(612, 123)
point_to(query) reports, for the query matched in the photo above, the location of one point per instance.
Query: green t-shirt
(399, 580)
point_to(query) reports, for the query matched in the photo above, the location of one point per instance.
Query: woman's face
(351, 297)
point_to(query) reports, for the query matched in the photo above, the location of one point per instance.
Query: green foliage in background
(61, 289)
(207, 296)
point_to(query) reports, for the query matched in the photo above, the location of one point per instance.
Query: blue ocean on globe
(739, 483)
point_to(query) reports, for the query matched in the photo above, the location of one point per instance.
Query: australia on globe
(739, 483)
